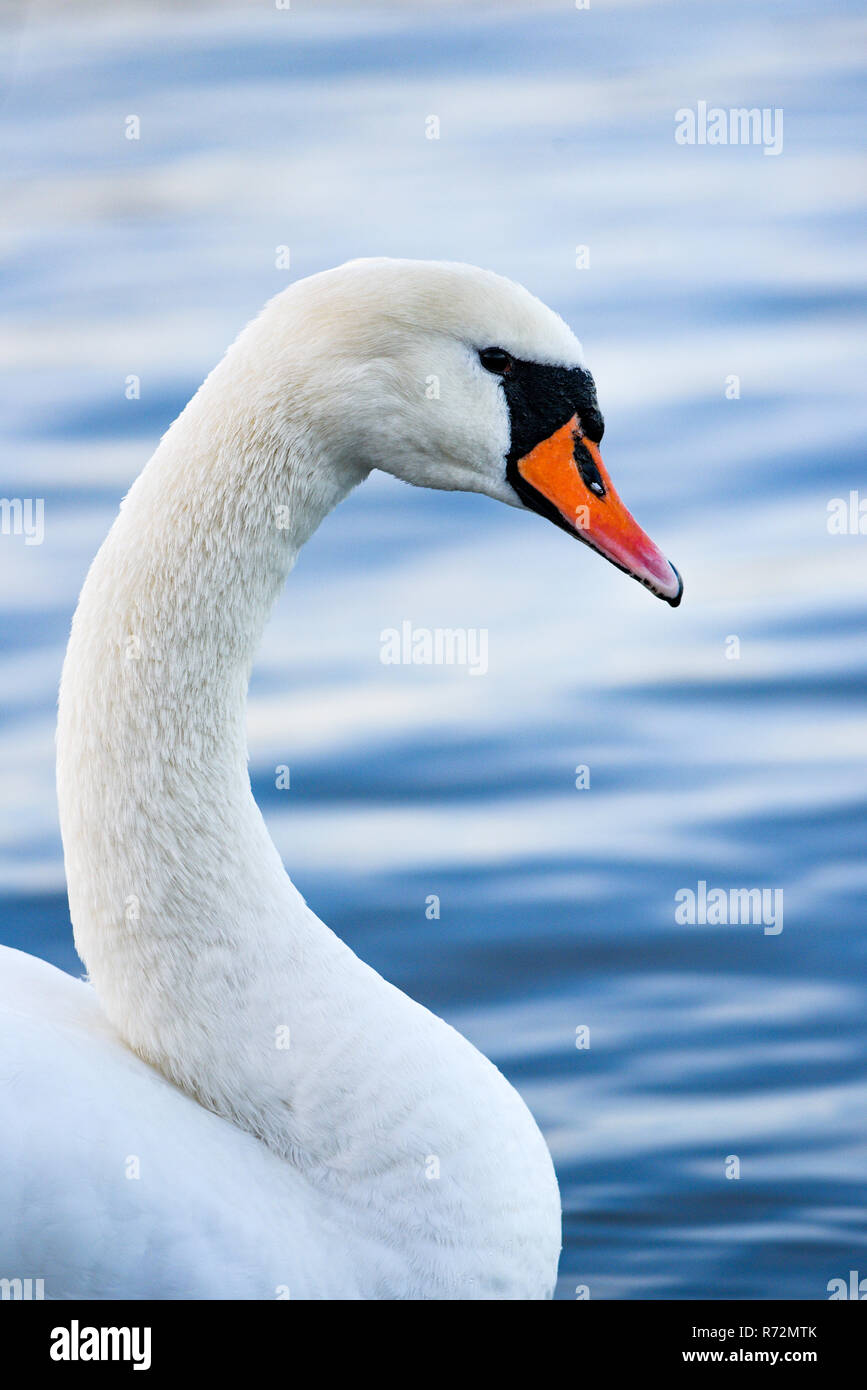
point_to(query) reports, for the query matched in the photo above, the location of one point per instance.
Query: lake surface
(726, 741)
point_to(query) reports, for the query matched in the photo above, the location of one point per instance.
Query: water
(307, 128)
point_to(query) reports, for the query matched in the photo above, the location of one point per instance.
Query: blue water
(306, 128)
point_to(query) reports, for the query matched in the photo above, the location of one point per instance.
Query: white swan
(158, 1136)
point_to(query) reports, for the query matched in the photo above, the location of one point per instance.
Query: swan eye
(495, 359)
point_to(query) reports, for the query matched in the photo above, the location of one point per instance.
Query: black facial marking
(541, 399)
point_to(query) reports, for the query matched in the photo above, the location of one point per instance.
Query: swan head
(454, 377)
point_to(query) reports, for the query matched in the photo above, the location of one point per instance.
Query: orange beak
(567, 470)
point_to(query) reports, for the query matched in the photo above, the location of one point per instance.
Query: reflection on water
(707, 1043)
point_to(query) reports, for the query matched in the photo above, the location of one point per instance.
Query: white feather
(378, 1154)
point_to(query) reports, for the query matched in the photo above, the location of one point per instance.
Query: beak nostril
(586, 465)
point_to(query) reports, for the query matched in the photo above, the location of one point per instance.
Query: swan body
(235, 1105)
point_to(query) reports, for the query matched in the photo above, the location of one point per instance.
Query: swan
(233, 1105)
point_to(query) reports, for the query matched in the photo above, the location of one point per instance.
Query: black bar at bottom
(154, 1338)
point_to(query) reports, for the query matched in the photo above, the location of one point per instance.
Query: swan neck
(204, 955)
(169, 864)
